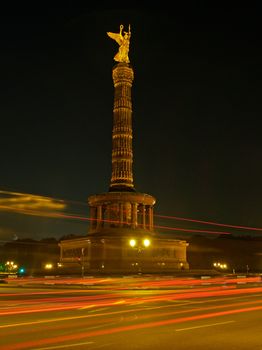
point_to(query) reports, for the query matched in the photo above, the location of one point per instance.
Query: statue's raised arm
(123, 42)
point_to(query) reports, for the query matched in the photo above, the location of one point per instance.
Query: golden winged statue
(123, 42)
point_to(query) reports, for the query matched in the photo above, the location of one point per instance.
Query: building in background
(121, 237)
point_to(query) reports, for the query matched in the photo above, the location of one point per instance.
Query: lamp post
(11, 267)
(82, 262)
(134, 244)
(48, 266)
(220, 265)
(140, 246)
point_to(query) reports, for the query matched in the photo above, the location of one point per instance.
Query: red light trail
(209, 222)
(34, 306)
(82, 335)
(53, 214)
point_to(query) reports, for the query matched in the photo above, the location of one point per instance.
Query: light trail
(192, 230)
(66, 346)
(127, 283)
(127, 328)
(74, 217)
(21, 194)
(201, 221)
(94, 301)
(204, 326)
(194, 282)
(48, 323)
(77, 217)
(209, 222)
(110, 313)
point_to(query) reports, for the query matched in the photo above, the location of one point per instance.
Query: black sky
(196, 106)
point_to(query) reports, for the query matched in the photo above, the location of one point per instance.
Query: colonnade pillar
(134, 215)
(150, 212)
(93, 217)
(99, 216)
(121, 214)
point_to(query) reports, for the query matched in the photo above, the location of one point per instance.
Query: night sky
(196, 110)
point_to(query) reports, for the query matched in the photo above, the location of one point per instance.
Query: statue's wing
(115, 36)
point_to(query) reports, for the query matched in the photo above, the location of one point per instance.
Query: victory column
(121, 235)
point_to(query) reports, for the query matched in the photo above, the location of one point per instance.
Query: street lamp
(48, 266)
(220, 265)
(10, 266)
(139, 246)
(82, 262)
(132, 242)
(146, 242)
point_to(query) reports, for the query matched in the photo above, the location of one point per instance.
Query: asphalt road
(128, 313)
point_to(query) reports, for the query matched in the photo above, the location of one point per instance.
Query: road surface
(131, 313)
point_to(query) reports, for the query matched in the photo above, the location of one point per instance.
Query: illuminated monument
(121, 235)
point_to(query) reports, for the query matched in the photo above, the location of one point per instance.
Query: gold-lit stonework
(122, 152)
(114, 210)
(121, 236)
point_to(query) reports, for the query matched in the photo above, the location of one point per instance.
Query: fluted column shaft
(122, 150)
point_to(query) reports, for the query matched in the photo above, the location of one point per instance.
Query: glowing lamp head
(48, 266)
(132, 242)
(146, 242)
